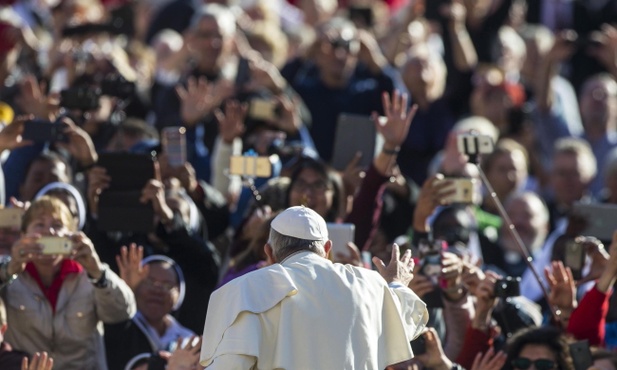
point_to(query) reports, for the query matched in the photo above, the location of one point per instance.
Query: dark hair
(51, 157)
(330, 175)
(547, 336)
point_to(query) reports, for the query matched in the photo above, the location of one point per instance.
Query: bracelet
(394, 151)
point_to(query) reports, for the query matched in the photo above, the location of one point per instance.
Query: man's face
(527, 218)
(158, 292)
(418, 76)
(507, 173)
(337, 55)
(598, 103)
(568, 180)
(208, 43)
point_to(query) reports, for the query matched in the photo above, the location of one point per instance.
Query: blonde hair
(47, 205)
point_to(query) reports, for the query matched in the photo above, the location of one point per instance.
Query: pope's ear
(327, 248)
(270, 254)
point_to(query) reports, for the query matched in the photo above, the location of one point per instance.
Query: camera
(118, 86)
(508, 287)
(81, 97)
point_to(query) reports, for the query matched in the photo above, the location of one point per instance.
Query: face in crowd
(157, 294)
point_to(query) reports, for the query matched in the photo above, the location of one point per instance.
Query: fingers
(379, 264)
(396, 254)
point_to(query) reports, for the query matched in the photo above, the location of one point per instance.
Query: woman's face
(158, 292)
(312, 190)
(535, 352)
(46, 224)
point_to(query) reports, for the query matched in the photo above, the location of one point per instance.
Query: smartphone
(41, 131)
(465, 190)
(472, 144)
(174, 145)
(581, 355)
(418, 345)
(250, 166)
(243, 74)
(11, 217)
(263, 109)
(574, 258)
(340, 235)
(56, 245)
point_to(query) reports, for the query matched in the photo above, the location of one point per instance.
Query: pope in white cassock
(305, 312)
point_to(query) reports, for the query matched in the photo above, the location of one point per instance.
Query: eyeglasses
(540, 364)
(162, 285)
(318, 186)
(347, 45)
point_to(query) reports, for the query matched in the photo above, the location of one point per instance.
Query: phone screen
(174, 145)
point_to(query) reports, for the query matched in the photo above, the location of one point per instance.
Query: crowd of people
(149, 150)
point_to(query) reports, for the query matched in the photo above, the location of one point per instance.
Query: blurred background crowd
(108, 81)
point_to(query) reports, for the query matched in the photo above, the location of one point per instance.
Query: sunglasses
(540, 364)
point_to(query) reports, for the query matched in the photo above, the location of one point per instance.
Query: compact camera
(508, 287)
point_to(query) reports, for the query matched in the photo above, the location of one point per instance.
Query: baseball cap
(302, 223)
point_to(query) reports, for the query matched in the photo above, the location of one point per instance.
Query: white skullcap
(302, 223)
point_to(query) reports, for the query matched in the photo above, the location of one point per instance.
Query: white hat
(302, 223)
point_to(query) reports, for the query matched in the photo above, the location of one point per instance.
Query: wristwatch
(5, 277)
(102, 282)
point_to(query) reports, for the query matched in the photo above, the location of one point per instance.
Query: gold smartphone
(250, 166)
(56, 245)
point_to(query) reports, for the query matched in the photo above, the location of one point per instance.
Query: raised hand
(200, 97)
(434, 190)
(84, 253)
(129, 265)
(185, 357)
(395, 127)
(490, 360)
(609, 275)
(599, 258)
(154, 191)
(289, 120)
(80, 144)
(485, 301)
(40, 361)
(562, 287)
(231, 122)
(605, 49)
(399, 269)
(434, 357)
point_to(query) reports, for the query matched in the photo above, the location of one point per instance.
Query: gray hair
(582, 150)
(284, 246)
(222, 15)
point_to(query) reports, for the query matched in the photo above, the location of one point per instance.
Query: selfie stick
(473, 158)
